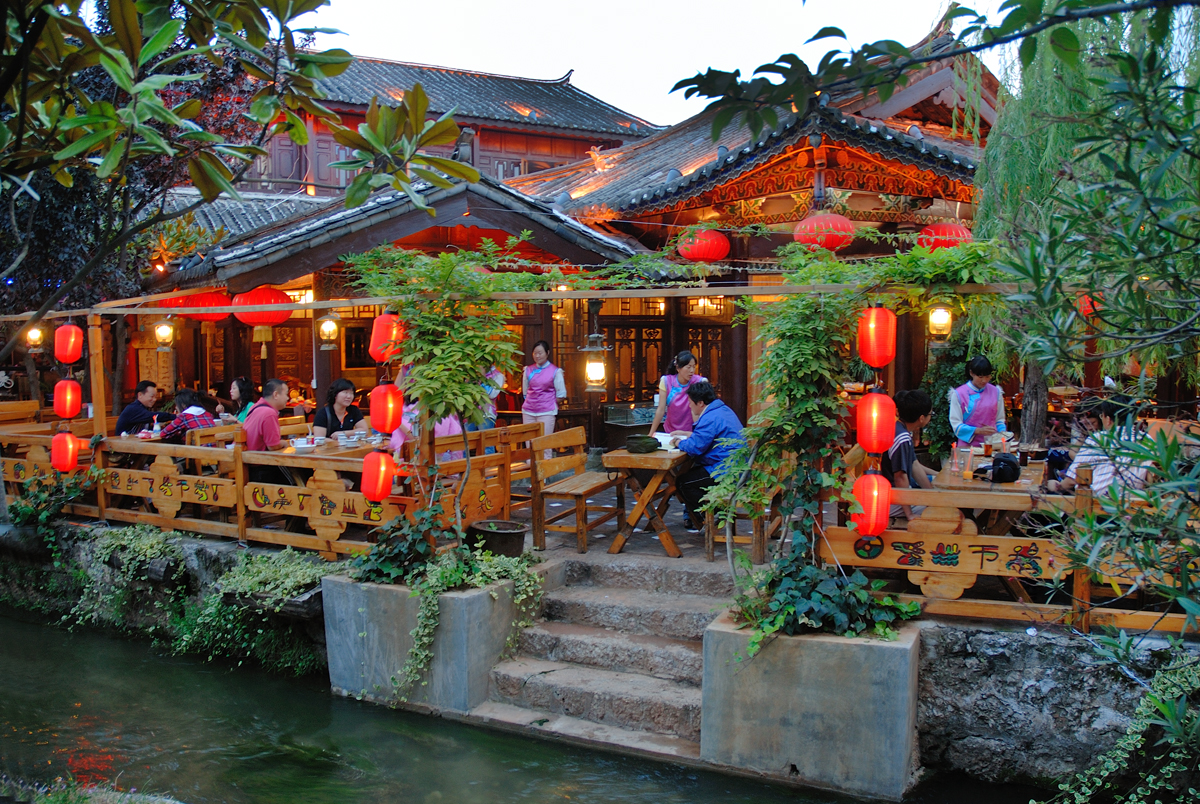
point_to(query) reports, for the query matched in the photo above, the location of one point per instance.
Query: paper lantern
(379, 470)
(387, 332)
(943, 235)
(68, 399)
(68, 344)
(387, 407)
(1087, 305)
(875, 419)
(262, 318)
(877, 336)
(828, 231)
(64, 452)
(874, 494)
(212, 298)
(704, 245)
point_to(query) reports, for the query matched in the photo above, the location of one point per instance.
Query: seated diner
(716, 433)
(1102, 452)
(914, 410)
(139, 414)
(191, 416)
(340, 413)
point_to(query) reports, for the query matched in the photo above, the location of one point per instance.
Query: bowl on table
(304, 445)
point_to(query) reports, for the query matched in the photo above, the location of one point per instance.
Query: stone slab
(368, 635)
(824, 711)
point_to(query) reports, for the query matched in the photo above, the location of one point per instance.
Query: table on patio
(991, 521)
(665, 464)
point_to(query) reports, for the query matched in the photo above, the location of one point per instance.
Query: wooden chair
(577, 488)
(514, 442)
(762, 527)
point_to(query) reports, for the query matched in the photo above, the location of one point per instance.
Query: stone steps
(652, 574)
(633, 611)
(660, 657)
(628, 701)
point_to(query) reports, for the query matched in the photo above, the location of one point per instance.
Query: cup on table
(987, 449)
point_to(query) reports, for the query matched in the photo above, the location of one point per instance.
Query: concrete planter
(826, 711)
(367, 629)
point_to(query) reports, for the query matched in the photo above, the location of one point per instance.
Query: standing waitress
(673, 411)
(542, 385)
(977, 406)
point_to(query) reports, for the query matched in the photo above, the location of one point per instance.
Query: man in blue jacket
(717, 432)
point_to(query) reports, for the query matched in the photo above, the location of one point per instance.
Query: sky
(626, 52)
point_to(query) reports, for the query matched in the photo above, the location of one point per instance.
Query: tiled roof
(683, 161)
(553, 103)
(238, 217)
(279, 241)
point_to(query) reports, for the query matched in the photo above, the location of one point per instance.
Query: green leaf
(827, 33)
(358, 191)
(160, 41)
(1028, 50)
(112, 160)
(298, 130)
(1065, 45)
(189, 109)
(121, 74)
(123, 17)
(84, 144)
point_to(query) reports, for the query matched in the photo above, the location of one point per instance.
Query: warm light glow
(327, 331)
(310, 189)
(562, 288)
(940, 322)
(164, 334)
(160, 267)
(68, 343)
(300, 296)
(595, 373)
(34, 339)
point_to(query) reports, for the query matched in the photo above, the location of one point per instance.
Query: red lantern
(174, 301)
(828, 231)
(386, 335)
(379, 469)
(704, 245)
(67, 399)
(943, 235)
(212, 298)
(387, 407)
(875, 417)
(877, 336)
(262, 318)
(1087, 305)
(68, 343)
(64, 452)
(874, 494)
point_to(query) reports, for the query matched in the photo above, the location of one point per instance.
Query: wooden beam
(96, 370)
(911, 95)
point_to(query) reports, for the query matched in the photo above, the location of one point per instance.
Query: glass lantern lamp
(327, 331)
(594, 351)
(164, 334)
(34, 338)
(940, 323)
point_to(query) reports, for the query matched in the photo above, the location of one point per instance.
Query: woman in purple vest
(977, 406)
(542, 385)
(673, 411)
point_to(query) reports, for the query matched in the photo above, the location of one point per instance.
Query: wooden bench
(19, 412)
(577, 488)
(514, 441)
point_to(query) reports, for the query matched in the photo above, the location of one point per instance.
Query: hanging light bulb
(164, 334)
(594, 351)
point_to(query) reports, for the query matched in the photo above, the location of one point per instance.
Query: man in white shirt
(1101, 451)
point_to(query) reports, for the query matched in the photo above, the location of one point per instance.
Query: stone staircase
(617, 658)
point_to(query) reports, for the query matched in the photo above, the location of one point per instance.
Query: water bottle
(157, 426)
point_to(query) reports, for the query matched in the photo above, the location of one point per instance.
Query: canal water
(101, 709)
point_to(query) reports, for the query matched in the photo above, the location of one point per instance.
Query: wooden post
(1081, 581)
(96, 370)
(239, 477)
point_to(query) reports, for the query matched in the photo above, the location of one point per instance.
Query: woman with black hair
(977, 406)
(340, 413)
(673, 411)
(241, 392)
(542, 385)
(190, 415)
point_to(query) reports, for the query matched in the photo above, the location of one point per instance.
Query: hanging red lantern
(1087, 305)
(211, 298)
(68, 398)
(704, 245)
(387, 333)
(943, 235)
(875, 418)
(173, 301)
(379, 470)
(387, 407)
(828, 231)
(262, 295)
(877, 336)
(68, 344)
(64, 452)
(874, 494)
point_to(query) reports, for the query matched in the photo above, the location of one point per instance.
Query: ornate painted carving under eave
(847, 168)
(864, 215)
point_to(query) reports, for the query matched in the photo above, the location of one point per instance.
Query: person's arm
(922, 474)
(560, 385)
(1001, 417)
(272, 437)
(321, 423)
(524, 383)
(900, 481)
(700, 441)
(962, 432)
(661, 411)
(174, 427)
(360, 425)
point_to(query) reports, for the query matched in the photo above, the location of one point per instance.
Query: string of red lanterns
(387, 333)
(875, 421)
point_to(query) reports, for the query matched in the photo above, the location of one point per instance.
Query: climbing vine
(120, 577)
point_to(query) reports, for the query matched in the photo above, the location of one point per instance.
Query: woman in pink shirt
(673, 411)
(542, 385)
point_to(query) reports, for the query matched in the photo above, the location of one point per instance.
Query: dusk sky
(627, 53)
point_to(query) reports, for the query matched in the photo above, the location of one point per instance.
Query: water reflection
(104, 709)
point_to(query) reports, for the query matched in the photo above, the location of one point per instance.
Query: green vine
(42, 501)
(129, 552)
(461, 568)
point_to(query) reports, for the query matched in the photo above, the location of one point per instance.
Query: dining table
(991, 521)
(666, 465)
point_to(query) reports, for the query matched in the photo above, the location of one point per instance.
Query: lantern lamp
(379, 471)
(68, 399)
(387, 407)
(877, 336)
(327, 331)
(704, 245)
(875, 420)
(211, 298)
(262, 320)
(68, 343)
(64, 452)
(940, 322)
(35, 336)
(943, 235)
(594, 352)
(164, 334)
(874, 494)
(828, 231)
(1088, 305)
(387, 333)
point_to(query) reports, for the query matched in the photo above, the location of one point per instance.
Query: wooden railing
(208, 489)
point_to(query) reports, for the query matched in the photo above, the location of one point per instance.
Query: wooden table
(1030, 480)
(665, 464)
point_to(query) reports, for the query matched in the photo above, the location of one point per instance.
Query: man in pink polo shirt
(262, 427)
